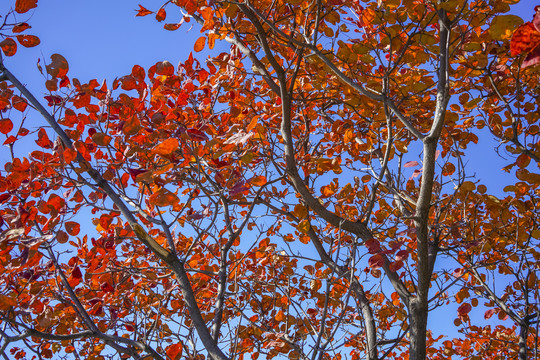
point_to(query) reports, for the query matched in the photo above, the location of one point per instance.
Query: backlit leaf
(174, 351)
(167, 147)
(199, 44)
(163, 197)
(503, 26)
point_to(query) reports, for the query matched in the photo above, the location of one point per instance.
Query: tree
(305, 195)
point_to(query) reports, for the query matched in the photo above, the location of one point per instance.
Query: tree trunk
(418, 315)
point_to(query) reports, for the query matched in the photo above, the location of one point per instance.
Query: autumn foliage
(306, 195)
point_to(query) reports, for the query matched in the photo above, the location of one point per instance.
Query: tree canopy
(305, 195)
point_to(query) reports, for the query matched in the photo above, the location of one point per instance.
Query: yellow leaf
(503, 26)
(300, 211)
(468, 186)
(303, 226)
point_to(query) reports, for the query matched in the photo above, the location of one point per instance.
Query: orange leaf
(20, 28)
(163, 197)
(258, 181)
(72, 228)
(5, 126)
(101, 139)
(143, 11)
(132, 126)
(22, 6)
(172, 27)
(58, 66)
(174, 351)
(19, 103)
(69, 155)
(9, 46)
(161, 14)
(28, 40)
(167, 147)
(6, 302)
(525, 38)
(199, 44)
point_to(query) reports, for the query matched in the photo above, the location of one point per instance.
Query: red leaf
(69, 155)
(135, 172)
(395, 266)
(164, 68)
(5, 126)
(43, 139)
(28, 40)
(19, 103)
(22, 6)
(532, 58)
(161, 15)
(9, 46)
(464, 309)
(10, 140)
(76, 277)
(20, 28)
(373, 246)
(257, 181)
(53, 100)
(6, 302)
(143, 11)
(72, 228)
(195, 134)
(402, 255)
(376, 261)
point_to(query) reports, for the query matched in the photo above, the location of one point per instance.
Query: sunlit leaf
(167, 147)
(22, 6)
(9, 46)
(163, 197)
